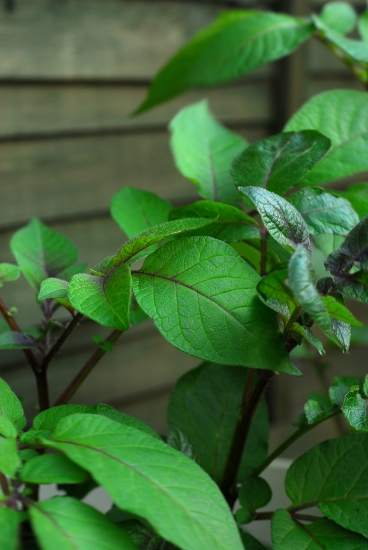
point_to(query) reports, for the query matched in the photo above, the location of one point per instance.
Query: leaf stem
(293, 317)
(250, 401)
(60, 341)
(85, 370)
(296, 435)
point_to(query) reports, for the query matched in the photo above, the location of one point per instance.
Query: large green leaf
(357, 195)
(106, 300)
(334, 476)
(301, 283)
(203, 150)
(236, 44)
(154, 235)
(279, 162)
(135, 210)
(230, 224)
(324, 212)
(9, 534)
(341, 115)
(8, 272)
(202, 297)
(41, 252)
(339, 16)
(10, 406)
(205, 407)
(64, 523)
(148, 478)
(321, 534)
(281, 219)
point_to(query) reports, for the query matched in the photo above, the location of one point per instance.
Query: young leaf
(339, 16)
(9, 458)
(105, 300)
(340, 387)
(67, 524)
(254, 493)
(324, 212)
(53, 288)
(10, 406)
(9, 528)
(321, 534)
(273, 286)
(335, 477)
(135, 210)
(16, 340)
(308, 335)
(357, 195)
(52, 468)
(342, 331)
(349, 136)
(236, 44)
(301, 283)
(137, 471)
(354, 49)
(205, 406)
(317, 409)
(7, 429)
(41, 252)
(352, 252)
(8, 272)
(203, 150)
(339, 311)
(355, 409)
(48, 419)
(154, 235)
(279, 162)
(282, 220)
(202, 297)
(229, 224)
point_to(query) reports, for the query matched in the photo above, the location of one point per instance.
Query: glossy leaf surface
(205, 406)
(341, 115)
(202, 297)
(279, 162)
(203, 150)
(138, 470)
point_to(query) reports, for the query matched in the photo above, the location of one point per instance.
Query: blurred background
(71, 72)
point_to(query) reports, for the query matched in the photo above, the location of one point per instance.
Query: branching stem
(60, 341)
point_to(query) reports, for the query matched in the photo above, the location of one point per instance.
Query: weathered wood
(33, 110)
(77, 176)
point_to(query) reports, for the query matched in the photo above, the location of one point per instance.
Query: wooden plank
(90, 38)
(78, 176)
(41, 109)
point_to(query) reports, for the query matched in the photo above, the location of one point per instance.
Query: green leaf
(179, 441)
(357, 195)
(135, 210)
(17, 340)
(229, 224)
(324, 212)
(254, 493)
(273, 287)
(205, 407)
(7, 429)
(137, 471)
(353, 252)
(355, 409)
(8, 272)
(53, 288)
(279, 162)
(105, 300)
(11, 407)
(308, 335)
(9, 459)
(203, 150)
(281, 219)
(236, 44)
(316, 410)
(41, 252)
(301, 283)
(335, 476)
(47, 420)
(339, 16)
(349, 135)
(9, 533)
(154, 235)
(342, 331)
(363, 26)
(322, 533)
(202, 297)
(250, 543)
(340, 388)
(52, 468)
(339, 311)
(354, 49)
(67, 524)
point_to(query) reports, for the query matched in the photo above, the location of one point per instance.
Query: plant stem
(42, 390)
(85, 370)
(60, 341)
(296, 435)
(250, 401)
